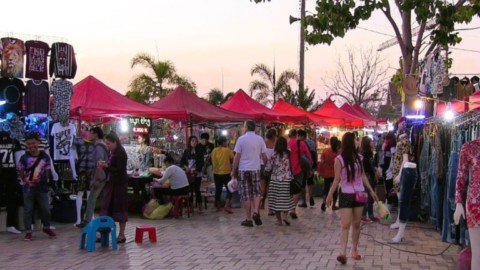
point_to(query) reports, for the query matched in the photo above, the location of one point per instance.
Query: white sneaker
(51, 227)
(13, 230)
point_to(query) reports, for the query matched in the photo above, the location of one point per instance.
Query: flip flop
(342, 259)
(357, 257)
(229, 211)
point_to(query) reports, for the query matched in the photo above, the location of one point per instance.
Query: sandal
(279, 223)
(286, 222)
(356, 257)
(228, 210)
(342, 259)
(121, 240)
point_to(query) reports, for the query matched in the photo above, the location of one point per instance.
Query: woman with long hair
(370, 169)
(270, 140)
(349, 174)
(389, 143)
(115, 192)
(279, 199)
(143, 141)
(192, 162)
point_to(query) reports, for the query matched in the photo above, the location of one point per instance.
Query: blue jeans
(407, 186)
(369, 206)
(449, 228)
(433, 191)
(42, 201)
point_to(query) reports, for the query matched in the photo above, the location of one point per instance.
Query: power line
(466, 50)
(376, 32)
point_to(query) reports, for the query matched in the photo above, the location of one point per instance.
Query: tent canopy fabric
(93, 99)
(282, 106)
(362, 111)
(182, 105)
(367, 121)
(329, 109)
(242, 103)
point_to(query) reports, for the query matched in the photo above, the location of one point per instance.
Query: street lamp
(302, 43)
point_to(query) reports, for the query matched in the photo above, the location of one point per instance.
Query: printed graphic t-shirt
(39, 178)
(11, 91)
(62, 140)
(8, 147)
(12, 51)
(37, 53)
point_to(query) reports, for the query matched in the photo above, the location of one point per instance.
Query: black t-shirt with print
(11, 91)
(8, 147)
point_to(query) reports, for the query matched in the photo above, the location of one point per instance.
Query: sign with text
(141, 125)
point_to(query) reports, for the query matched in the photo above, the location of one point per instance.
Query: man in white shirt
(249, 149)
(178, 181)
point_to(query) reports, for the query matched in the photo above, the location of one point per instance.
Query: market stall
(282, 106)
(329, 109)
(242, 103)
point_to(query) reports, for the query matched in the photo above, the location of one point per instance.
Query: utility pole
(302, 46)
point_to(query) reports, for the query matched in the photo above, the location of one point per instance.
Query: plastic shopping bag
(382, 211)
(233, 185)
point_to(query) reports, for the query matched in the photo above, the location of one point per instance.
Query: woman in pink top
(351, 177)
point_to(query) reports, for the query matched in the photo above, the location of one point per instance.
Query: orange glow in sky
(213, 42)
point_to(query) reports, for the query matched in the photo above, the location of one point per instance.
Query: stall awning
(182, 105)
(329, 109)
(367, 121)
(282, 106)
(243, 103)
(92, 99)
(362, 111)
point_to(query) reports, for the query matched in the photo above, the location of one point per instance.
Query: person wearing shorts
(249, 150)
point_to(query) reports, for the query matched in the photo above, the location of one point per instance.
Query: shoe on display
(13, 230)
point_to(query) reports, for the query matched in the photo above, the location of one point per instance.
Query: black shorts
(348, 201)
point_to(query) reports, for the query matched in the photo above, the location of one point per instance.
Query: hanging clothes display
(469, 162)
(11, 91)
(63, 136)
(37, 54)
(37, 97)
(62, 91)
(12, 52)
(62, 61)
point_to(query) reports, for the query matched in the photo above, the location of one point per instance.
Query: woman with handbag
(278, 166)
(350, 175)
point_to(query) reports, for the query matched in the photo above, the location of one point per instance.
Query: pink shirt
(295, 162)
(350, 187)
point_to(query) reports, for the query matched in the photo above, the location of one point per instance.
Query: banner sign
(142, 125)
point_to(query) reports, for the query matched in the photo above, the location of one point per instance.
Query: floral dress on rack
(469, 161)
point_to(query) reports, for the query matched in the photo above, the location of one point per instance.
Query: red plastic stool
(152, 233)
(178, 201)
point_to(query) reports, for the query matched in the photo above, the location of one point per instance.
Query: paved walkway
(215, 240)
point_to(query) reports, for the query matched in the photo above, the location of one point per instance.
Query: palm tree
(301, 98)
(268, 90)
(216, 97)
(162, 80)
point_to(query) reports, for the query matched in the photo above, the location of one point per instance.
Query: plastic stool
(105, 226)
(152, 233)
(178, 201)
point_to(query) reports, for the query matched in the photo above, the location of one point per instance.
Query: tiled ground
(217, 241)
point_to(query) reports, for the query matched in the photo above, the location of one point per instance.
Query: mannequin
(469, 156)
(82, 152)
(400, 163)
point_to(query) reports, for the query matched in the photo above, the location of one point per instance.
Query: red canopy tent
(359, 108)
(92, 99)
(243, 103)
(329, 109)
(182, 105)
(367, 121)
(474, 101)
(282, 106)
